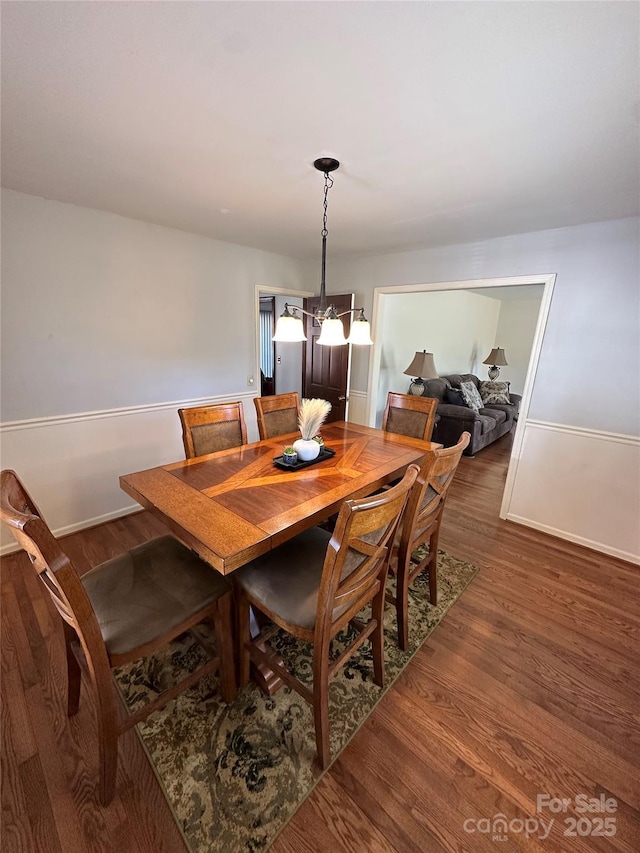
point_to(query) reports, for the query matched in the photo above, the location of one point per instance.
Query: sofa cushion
(471, 395)
(454, 379)
(494, 392)
(436, 388)
(487, 423)
(497, 414)
(510, 411)
(454, 396)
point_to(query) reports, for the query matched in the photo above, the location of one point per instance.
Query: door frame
(269, 291)
(379, 294)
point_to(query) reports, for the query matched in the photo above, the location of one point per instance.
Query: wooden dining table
(234, 505)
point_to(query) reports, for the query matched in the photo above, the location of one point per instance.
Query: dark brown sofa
(485, 426)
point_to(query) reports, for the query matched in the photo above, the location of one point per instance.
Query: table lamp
(422, 367)
(496, 359)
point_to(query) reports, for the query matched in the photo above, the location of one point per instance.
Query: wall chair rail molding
(125, 411)
(74, 461)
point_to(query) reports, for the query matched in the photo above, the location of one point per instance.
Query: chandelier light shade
(422, 367)
(360, 333)
(290, 327)
(496, 359)
(332, 332)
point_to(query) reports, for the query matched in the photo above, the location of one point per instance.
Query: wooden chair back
(206, 429)
(357, 558)
(277, 415)
(408, 415)
(20, 513)
(421, 526)
(354, 571)
(81, 628)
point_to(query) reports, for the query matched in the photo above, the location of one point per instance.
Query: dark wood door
(325, 369)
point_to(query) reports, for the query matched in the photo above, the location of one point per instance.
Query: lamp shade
(360, 333)
(332, 333)
(497, 357)
(422, 366)
(289, 329)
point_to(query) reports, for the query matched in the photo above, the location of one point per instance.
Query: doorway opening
(392, 323)
(284, 360)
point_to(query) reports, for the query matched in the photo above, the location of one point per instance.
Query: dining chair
(420, 526)
(277, 415)
(121, 610)
(206, 429)
(313, 586)
(409, 415)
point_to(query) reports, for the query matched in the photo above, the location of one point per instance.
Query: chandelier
(290, 327)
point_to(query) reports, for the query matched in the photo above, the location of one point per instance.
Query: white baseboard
(10, 547)
(578, 540)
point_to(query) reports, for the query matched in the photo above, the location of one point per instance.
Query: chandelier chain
(328, 183)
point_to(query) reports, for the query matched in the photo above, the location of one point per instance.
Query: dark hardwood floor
(529, 687)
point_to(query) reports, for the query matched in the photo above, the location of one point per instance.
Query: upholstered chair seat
(314, 586)
(149, 591)
(288, 578)
(122, 610)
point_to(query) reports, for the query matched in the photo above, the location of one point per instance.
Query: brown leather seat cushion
(287, 579)
(149, 590)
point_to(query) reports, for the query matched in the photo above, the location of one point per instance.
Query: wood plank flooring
(530, 686)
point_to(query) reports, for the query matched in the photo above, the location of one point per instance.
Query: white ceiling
(453, 121)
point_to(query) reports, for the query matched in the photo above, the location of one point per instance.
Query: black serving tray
(325, 453)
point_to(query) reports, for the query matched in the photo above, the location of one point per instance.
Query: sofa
(491, 422)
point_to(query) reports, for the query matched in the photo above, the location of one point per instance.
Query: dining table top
(234, 505)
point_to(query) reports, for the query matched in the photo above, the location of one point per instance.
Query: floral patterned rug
(234, 775)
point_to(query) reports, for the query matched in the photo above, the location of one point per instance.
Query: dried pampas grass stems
(312, 415)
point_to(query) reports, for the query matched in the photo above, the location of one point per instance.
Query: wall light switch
(249, 380)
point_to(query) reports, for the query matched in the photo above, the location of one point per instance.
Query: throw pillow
(495, 392)
(454, 396)
(471, 396)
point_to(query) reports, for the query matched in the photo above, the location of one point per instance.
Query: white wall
(108, 326)
(516, 328)
(596, 305)
(105, 313)
(459, 328)
(289, 371)
(101, 312)
(596, 300)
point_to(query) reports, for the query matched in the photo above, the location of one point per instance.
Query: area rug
(234, 775)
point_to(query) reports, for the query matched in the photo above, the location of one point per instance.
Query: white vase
(307, 449)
